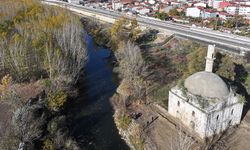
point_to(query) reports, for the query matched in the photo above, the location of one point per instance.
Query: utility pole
(237, 15)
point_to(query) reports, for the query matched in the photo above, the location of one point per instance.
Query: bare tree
(132, 66)
(27, 125)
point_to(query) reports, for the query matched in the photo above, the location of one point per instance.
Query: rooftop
(207, 85)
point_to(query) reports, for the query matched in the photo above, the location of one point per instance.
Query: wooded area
(38, 41)
(42, 51)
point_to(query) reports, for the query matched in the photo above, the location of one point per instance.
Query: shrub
(124, 121)
(47, 82)
(137, 142)
(241, 99)
(248, 81)
(5, 83)
(161, 94)
(48, 145)
(56, 100)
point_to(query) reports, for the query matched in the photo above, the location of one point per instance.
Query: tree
(226, 68)
(37, 40)
(237, 21)
(28, 124)
(161, 15)
(124, 30)
(132, 66)
(196, 61)
(174, 12)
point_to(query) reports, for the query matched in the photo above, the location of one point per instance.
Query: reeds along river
(92, 121)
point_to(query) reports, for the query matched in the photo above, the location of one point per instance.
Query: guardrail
(238, 43)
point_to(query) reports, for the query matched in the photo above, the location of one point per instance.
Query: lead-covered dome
(206, 84)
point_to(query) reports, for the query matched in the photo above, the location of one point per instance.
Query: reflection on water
(92, 113)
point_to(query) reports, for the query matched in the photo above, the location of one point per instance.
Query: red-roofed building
(224, 4)
(124, 2)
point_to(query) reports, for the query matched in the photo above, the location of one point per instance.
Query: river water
(92, 121)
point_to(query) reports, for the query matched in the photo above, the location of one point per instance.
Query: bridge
(225, 41)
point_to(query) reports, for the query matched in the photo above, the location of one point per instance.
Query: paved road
(226, 41)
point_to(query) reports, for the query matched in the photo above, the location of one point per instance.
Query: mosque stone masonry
(205, 103)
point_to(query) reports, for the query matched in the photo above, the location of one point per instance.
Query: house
(224, 4)
(238, 9)
(208, 13)
(244, 10)
(141, 10)
(232, 9)
(118, 4)
(200, 4)
(165, 8)
(205, 103)
(216, 3)
(194, 12)
(225, 16)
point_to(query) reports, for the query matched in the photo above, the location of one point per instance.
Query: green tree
(226, 68)
(124, 29)
(174, 12)
(196, 61)
(236, 21)
(161, 15)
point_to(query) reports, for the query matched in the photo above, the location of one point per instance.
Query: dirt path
(161, 132)
(159, 129)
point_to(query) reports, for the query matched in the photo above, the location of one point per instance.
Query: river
(92, 121)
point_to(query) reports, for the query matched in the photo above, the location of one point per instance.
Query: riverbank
(91, 114)
(164, 62)
(42, 53)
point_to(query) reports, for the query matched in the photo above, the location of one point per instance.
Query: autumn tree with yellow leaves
(38, 41)
(124, 29)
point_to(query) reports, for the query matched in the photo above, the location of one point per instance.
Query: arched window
(178, 103)
(217, 118)
(193, 113)
(232, 111)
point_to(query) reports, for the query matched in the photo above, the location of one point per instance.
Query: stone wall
(191, 116)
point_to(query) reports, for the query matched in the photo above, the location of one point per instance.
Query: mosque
(205, 103)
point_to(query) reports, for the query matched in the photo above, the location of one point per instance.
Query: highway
(226, 41)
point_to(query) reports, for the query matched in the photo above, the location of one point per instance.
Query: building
(119, 4)
(224, 4)
(200, 4)
(244, 10)
(194, 12)
(205, 103)
(214, 3)
(231, 9)
(225, 16)
(208, 13)
(238, 9)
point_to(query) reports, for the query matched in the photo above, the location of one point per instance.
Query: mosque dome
(206, 84)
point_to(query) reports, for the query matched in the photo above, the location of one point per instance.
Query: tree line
(42, 52)
(39, 41)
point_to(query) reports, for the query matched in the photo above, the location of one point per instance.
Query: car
(135, 115)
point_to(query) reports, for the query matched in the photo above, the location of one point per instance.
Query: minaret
(210, 58)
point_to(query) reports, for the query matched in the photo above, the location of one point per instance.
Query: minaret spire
(210, 58)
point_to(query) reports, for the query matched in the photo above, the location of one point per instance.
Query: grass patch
(137, 142)
(124, 121)
(161, 94)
